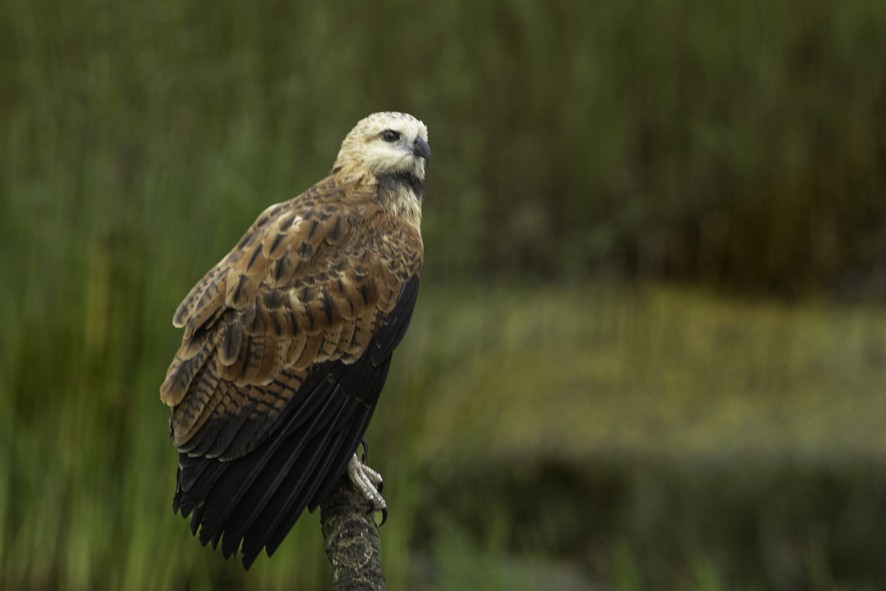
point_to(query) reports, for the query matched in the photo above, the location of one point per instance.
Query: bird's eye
(389, 135)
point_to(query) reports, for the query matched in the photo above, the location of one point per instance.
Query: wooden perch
(350, 539)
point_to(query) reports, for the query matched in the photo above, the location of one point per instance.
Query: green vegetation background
(650, 350)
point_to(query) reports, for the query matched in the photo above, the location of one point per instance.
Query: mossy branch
(350, 539)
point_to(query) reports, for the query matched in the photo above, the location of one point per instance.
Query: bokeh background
(650, 348)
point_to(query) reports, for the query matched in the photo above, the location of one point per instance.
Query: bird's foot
(370, 483)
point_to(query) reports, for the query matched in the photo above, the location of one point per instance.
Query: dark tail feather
(295, 487)
(220, 503)
(336, 456)
(337, 446)
(276, 461)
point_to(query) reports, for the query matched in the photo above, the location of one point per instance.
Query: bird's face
(387, 143)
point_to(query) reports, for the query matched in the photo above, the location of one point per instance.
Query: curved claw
(384, 514)
(365, 455)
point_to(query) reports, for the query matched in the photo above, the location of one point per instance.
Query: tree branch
(350, 538)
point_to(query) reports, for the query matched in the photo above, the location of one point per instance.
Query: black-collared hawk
(288, 340)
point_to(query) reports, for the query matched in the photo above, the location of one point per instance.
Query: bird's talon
(370, 483)
(365, 455)
(384, 513)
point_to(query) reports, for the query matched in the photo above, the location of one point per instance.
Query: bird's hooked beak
(421, 148)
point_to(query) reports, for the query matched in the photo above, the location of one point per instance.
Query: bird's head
(386, 143)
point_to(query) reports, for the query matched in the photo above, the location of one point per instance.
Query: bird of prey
(288, 339)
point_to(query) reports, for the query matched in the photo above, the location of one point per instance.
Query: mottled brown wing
(255, 499)
(310, 282)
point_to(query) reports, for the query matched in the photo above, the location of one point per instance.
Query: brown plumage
(287, 341)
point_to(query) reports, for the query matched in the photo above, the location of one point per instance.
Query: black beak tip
(421, 148)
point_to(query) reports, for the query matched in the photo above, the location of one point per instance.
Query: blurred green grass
(736, 144)
(506, 411)
(545, 424)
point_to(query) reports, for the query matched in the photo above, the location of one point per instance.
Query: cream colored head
(386, 143)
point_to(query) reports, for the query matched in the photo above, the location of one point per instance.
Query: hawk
(288, 340)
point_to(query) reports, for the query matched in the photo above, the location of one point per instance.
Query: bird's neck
(401, 194)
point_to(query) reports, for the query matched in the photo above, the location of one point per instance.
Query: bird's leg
(370, 483)
(365, 444)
